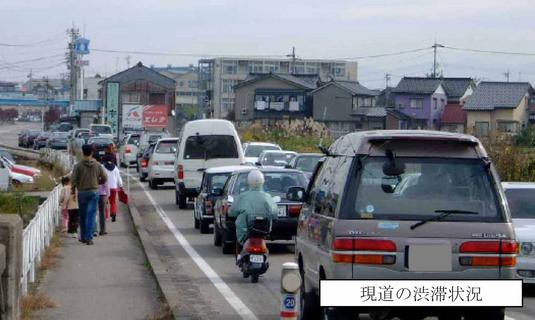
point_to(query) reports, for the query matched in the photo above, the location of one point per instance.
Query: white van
(204, 144)
(102, 130)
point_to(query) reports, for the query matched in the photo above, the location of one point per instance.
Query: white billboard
(132, 116)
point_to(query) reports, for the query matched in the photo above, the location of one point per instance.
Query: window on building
(227, 104)
(181, 83)
(256, 67)
(338, 69)
(482, 128)
(131, 97)
(193, 83)
(299, 68)
(507, 126)
(312, 68)
(227, 86)
(435, 103)
(230, 67)
(417, 103)
(271, 66)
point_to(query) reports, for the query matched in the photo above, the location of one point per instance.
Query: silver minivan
(448, 220)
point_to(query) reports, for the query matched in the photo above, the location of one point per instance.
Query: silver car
(521, 200)
(449, 221)
(161, 163)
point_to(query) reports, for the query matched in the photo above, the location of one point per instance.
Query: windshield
(167, 147)
(101, 129)
(521, 203)
(133, 140)
(210, 147)
(216, 181)
(153, 138)
(427, 185)
(277, 159)
(276, 183)
(256, 150)
(307, 163)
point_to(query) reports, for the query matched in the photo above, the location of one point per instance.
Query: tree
(52, 115)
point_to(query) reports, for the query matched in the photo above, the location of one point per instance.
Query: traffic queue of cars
(377, 205)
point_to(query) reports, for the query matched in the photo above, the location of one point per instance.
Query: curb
(157, 267)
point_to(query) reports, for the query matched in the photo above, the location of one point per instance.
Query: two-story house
(273, 97)
(346, 106)
(498, 107)
(457, 90)
(421, 99)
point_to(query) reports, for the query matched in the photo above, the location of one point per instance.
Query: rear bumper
(283, 229)
(162, 172)
(130, 158)
(525, 269)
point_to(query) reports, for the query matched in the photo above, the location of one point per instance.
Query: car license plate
(254, 258)
(282, 211)
(430, 258)
(101, 152)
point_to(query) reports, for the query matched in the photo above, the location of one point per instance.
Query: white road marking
(229, 295)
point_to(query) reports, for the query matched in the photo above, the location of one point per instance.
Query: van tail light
(363, 251)
(488, 253)
(144, 163)
(208, 206)
(128, 149)
(294, 210)
(226, 208)
(180, 173)
(255, 246)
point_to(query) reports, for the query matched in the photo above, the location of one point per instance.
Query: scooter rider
(254, 202)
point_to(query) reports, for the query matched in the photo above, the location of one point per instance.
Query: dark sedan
(58, 140)
(41, 140)
(27, 140)
(306, 162)
(277, 182)
(100, 145)
(142, 160)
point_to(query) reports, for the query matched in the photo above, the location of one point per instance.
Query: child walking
(104, 194)
(69, 207)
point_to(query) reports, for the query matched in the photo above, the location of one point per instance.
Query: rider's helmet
(255, 179)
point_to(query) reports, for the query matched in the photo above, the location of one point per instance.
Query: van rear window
(425, 187)
(210, 147)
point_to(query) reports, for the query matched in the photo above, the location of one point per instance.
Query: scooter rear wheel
(254, 278)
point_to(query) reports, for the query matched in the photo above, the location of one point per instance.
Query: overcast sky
(317, 28)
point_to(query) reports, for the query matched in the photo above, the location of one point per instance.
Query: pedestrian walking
(87, 176)
(114, 184)
(69, 207)
(111, 154)
(104, 194)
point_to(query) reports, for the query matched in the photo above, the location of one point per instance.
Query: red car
(17, 168)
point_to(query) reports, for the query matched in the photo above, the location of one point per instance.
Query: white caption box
(421, 293)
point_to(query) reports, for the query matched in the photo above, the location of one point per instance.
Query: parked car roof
(227, 169)
(518, 185)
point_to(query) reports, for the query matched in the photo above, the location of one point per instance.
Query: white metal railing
(37, 235)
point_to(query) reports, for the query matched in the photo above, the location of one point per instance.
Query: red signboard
(155, 116)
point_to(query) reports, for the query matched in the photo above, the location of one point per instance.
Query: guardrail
(22, 152)
(37, 235)
(63, 159)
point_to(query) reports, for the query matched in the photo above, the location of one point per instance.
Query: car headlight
(526, 248)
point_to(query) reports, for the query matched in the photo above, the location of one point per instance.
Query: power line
(54, 39)
(33, 59)
(531, 54)
(385, 54)
(177, 54)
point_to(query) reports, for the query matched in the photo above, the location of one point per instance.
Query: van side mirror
(296, 194)
(258, 164)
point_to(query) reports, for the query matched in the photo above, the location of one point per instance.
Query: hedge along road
(233, 297)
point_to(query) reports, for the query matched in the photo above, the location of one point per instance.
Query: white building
(218, 76)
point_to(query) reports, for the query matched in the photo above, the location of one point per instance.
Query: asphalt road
(9, 132)
(263, 299)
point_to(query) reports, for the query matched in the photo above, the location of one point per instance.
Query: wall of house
(436, 114)
(338, 104)
(427, 112)
(245, 96)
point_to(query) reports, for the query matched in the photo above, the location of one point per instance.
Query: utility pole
(507, 74)
(127, 58)
(435, 46)
(387, 79)
(30, 75)
(292, 55)
(73, 68)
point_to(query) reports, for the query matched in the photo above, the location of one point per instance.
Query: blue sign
(81, 46)
(289, 302)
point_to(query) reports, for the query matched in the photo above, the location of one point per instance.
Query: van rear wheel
(217, 236)
(226, 246)
(204, 226)
(310, 302)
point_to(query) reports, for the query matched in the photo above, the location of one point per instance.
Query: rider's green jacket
(254, 202)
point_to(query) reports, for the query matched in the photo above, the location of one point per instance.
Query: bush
(526, 137)
(513, 162)
(18, 203)
(296, 135)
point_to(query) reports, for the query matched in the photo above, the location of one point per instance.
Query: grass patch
(51, 255)
(35, 302)
(50, 177)
(18, 203)
(164, 313)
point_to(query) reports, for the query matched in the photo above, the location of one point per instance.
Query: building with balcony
(219, 76)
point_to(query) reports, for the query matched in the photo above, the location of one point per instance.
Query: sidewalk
(108, 280)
